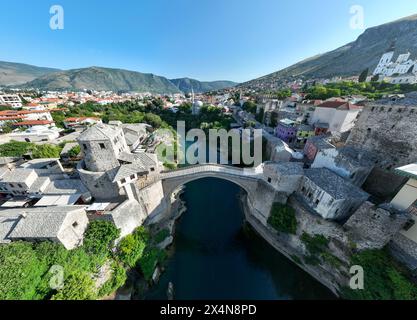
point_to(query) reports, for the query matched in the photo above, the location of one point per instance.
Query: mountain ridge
(15, 73)
(103, 78)
(350, 59)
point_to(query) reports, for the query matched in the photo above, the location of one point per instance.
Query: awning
(58, 200)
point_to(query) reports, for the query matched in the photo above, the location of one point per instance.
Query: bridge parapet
(213, 168)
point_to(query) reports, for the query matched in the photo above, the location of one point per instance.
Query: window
(317, 201)
(409, 224)
(11, 185)
(269, 180)
(152, 169)
(310, 195)
(123, 181)
(373, 109)
(390, 109)
(132, 177)
(75, 224)
(102, 146)
(85, 146)
(303, 189)
(20, 186)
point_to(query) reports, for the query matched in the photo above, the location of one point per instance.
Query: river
(218, 256)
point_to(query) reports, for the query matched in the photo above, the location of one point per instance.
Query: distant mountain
(186, 85)
(18, 73)
(97, 78)
(352, 58)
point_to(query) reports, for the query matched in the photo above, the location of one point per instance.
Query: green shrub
(149, 260)
(74, 152)
(283, 218)
(130, 250)
(316, 244)
(117, 280)
(79, 286)
(20, 271)
(161, 236)
(384, 279)
(100, 236)
(15, 148)
(46, 151)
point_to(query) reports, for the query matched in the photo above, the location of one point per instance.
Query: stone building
(330, 195)
(64, 224)
(109, 169)
(315, 145)
(285, 177)
(388, 129)
(373, 227)
(353, 164)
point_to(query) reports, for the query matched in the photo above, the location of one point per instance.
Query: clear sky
(204, 39)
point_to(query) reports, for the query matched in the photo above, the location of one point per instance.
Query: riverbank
(215, 256)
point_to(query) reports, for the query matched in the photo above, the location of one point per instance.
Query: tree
(79, 286)
(249, 106)
(363, 75)
(131, 250)
(20, 271)
(100, 236)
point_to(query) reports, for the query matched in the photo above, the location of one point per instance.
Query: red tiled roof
(76, 119)
(338, 104)
(11, 118)
(33, 123)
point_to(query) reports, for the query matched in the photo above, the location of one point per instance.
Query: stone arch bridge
(260, 194)
(247, 179)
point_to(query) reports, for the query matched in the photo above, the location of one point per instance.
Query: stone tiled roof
(140, 158)
(99, 132)
(66, 186)
(39, 222)
(286, 168)
(38, 184)
(126, 170)
(17, 175)
(320, 142)
(409, 100)
(8, 221)
(333, 184)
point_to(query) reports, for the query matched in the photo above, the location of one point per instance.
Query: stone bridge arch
(246, 179)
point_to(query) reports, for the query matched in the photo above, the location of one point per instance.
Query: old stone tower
(102, 145)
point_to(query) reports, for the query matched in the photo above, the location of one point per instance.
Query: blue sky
(204, 39)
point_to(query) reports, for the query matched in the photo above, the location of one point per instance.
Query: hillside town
(145, 156)
(347, 164)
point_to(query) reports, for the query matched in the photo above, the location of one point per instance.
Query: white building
(339, 115)
(399, 71)
(37, 134)
(12, 100)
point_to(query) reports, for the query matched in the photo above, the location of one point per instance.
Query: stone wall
(98, 183)
(405, 250)
(389, 130)
(372, 227)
